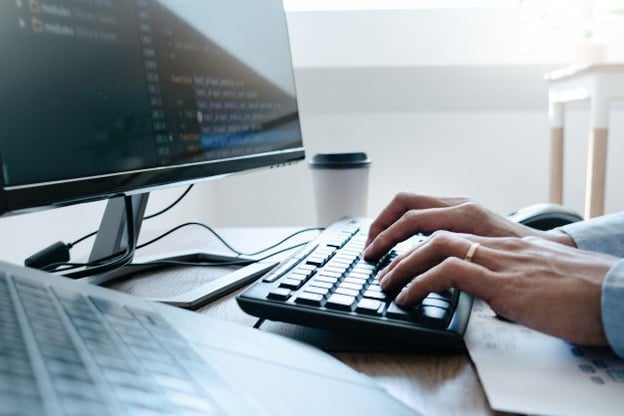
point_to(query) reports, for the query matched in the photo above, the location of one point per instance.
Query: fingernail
(383, 279)
(401, 298)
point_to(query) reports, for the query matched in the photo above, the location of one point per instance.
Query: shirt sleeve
(606, 235)
(602, 234)
(612, 305)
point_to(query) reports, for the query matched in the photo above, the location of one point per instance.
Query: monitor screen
(103, 97)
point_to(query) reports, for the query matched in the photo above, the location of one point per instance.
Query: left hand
(544, 285)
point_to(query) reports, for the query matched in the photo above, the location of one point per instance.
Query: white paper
(525, 371)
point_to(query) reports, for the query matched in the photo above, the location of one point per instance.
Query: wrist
(560, 237)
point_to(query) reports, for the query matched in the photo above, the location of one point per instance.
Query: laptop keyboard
(85, 355)
(329, 284)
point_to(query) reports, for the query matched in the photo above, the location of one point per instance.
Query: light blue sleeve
(612, 305)
(606, 235)
(603, 234)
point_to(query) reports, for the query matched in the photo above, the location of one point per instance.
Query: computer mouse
(545, 216)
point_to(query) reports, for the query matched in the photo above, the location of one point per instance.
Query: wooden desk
(431, 384)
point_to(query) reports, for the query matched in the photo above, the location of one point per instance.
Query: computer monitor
(104, 98)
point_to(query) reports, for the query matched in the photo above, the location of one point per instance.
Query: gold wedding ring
(471, 251)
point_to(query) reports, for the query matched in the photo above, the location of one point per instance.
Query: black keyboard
(328, 284)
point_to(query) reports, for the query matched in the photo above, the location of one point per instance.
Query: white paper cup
(340, 185)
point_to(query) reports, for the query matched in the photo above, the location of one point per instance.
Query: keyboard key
(281, 293)
(17, 384)
(352, 286)
(352, 251)
(326, 279)
(343, 259)
(372, 294)
(291, 284)
(396, 312)
(336, 269)
(348, 292)
(328, 273)
(430, 315)
(342, 302)
(73, 387)
(298, 276)
(73, 405)
(280, 270)
(72, 370)
(318, 290)
(370, 307)
(364, 266)
(324, 285)
(110, 308)
(317, 260)
(443, 304)
(434, 295)
(359, 275)
(18, 404)
(307, 298)
(305, 269)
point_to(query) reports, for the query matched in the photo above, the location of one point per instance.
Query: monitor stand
(112, 238)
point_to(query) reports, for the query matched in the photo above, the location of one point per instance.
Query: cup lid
(340, 160)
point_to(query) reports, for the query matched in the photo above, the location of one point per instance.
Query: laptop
(72, 348)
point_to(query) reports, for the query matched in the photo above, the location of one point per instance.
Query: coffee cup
(340, 185)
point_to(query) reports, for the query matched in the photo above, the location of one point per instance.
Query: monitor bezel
(33, 197)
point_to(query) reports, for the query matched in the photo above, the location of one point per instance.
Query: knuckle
(441, 238)
(530, 239)
(512, 243)
(375, 229)
(410, 216)
(403, 197)
(382, 239)
(471, 207)
(451, 264)
(451, 268)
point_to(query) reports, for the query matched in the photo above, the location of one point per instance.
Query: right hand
(546, 286)
(411, 213)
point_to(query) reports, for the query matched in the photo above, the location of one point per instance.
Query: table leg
(556, 165)
(596, 173)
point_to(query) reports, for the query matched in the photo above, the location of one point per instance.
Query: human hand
(547, 286)
(411, 213)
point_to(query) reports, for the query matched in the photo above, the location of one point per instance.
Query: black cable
(242, 262)
(104, 265)
(148, 217)
(259, 323)
(173, 204)
(222, 240)
(81, 239)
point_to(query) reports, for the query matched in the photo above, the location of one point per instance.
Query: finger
(403, 202)
(451, 273)
(415, 221)
(394, 263)
(494, 253)
(434, 251)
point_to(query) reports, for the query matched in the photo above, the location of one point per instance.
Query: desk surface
(431, 384)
